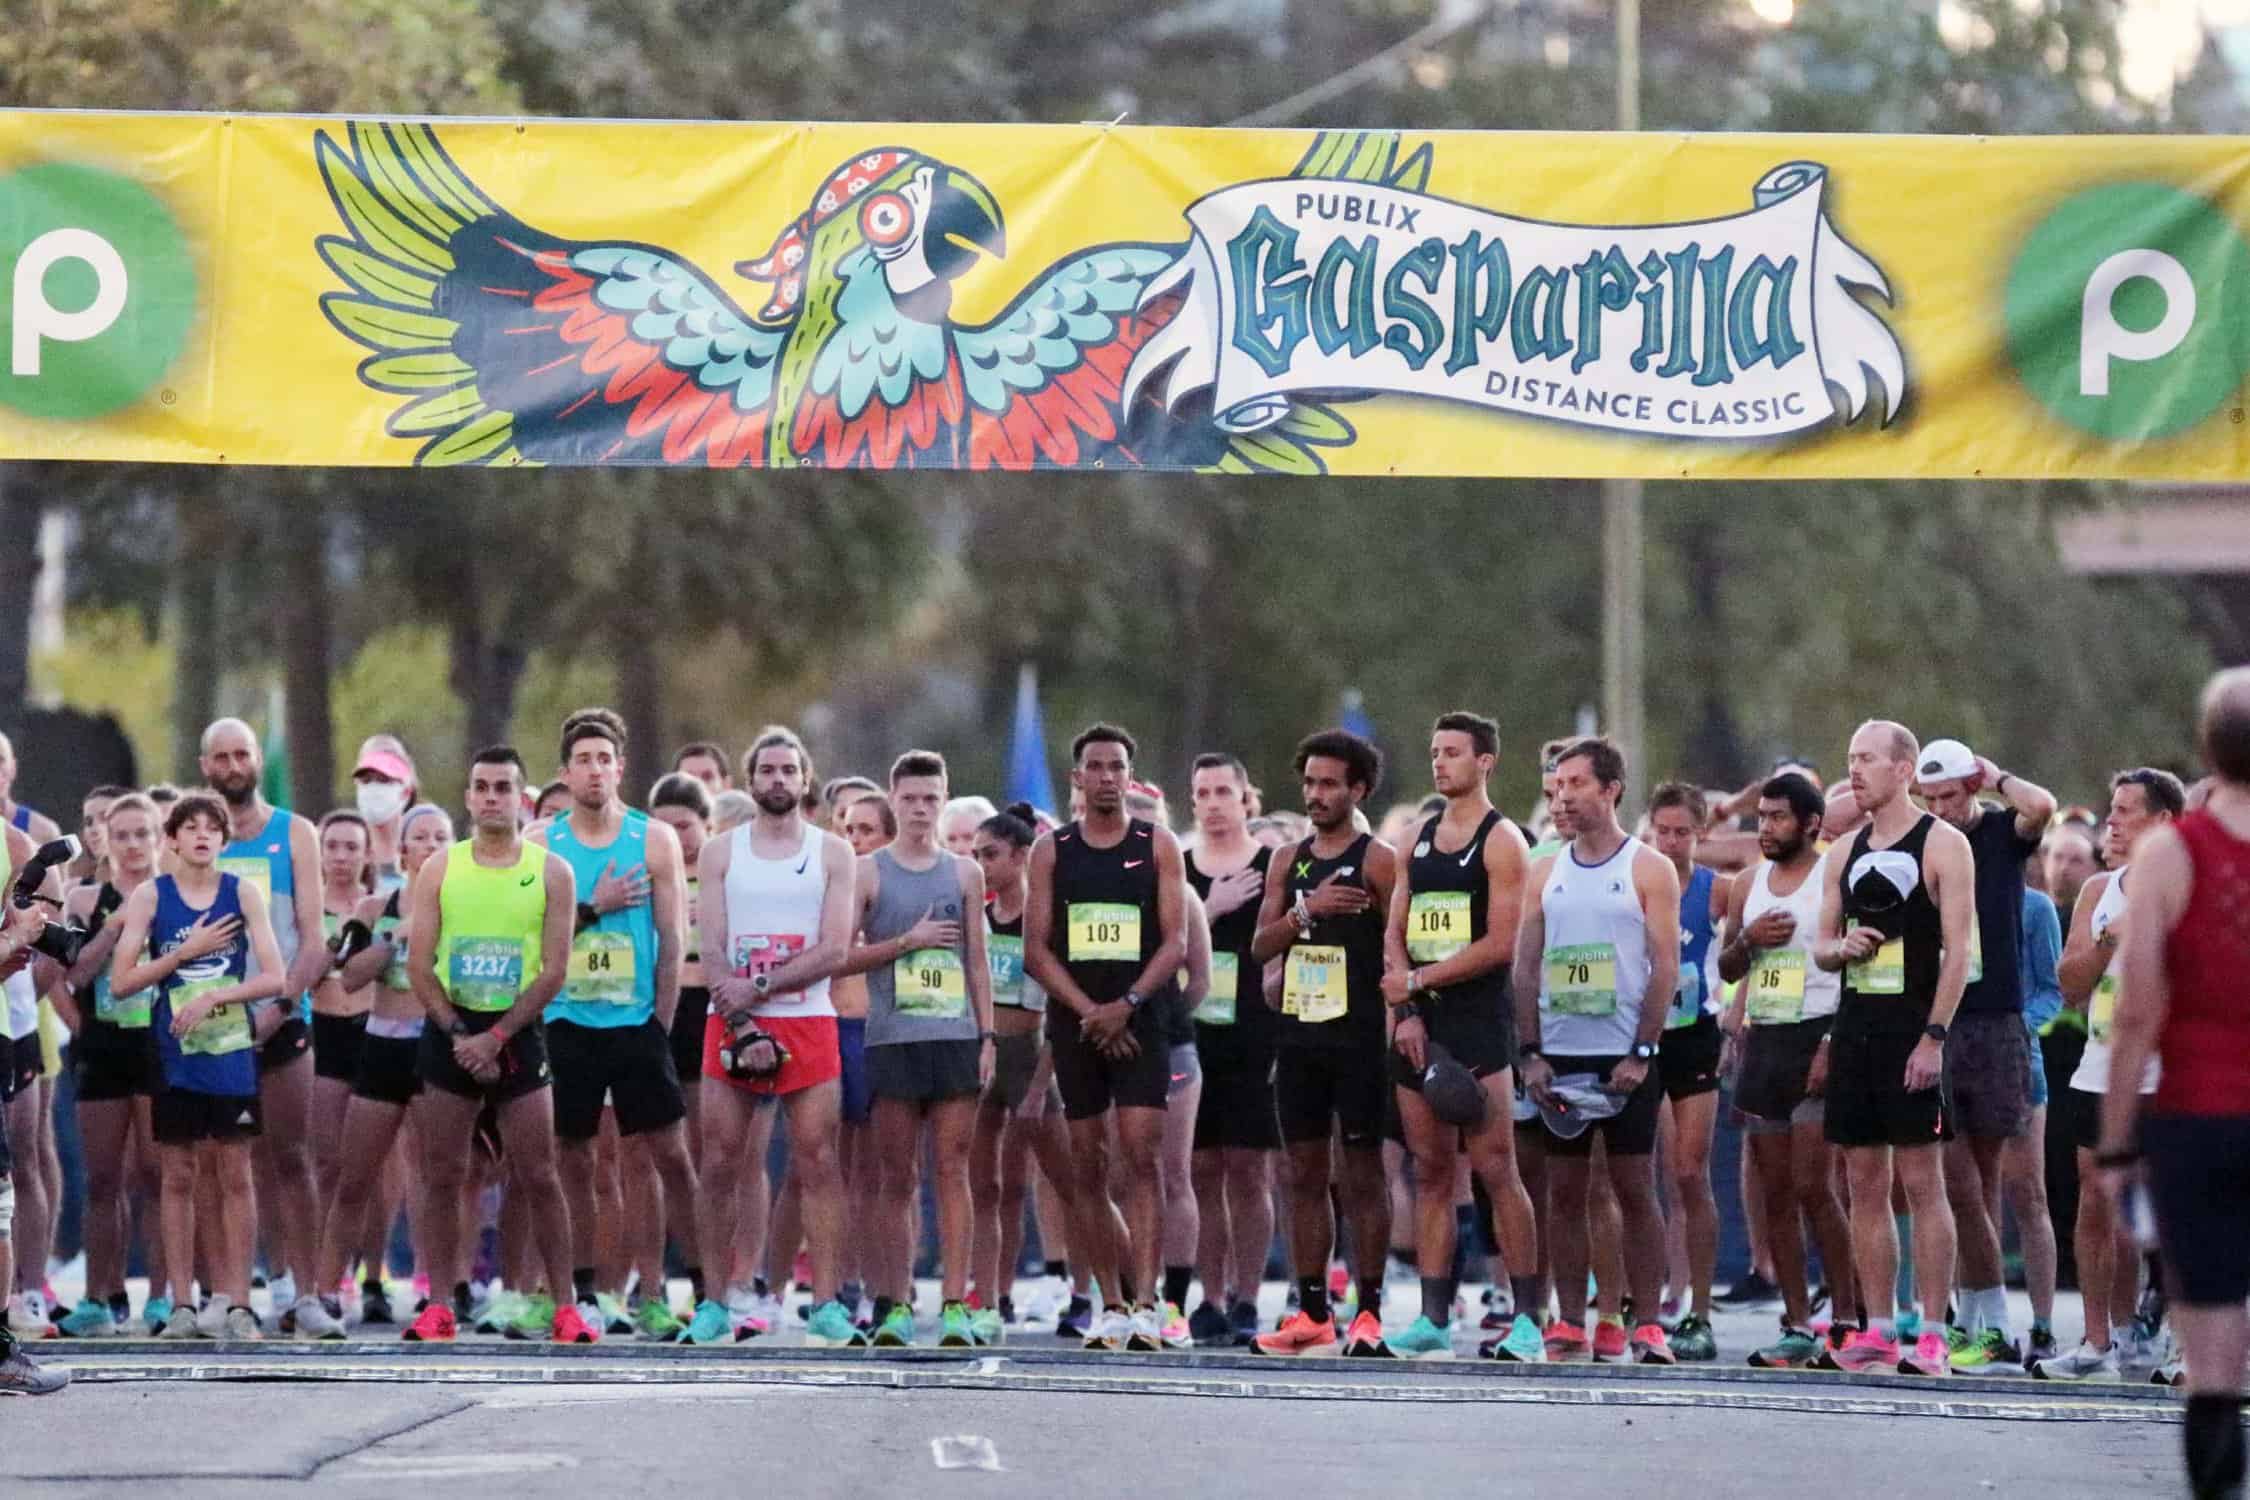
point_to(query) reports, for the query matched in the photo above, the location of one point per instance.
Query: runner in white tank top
(773, 912)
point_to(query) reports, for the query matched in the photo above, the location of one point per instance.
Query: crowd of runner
(560, 1034)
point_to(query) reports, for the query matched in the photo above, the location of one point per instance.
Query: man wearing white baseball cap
(1988, 1057)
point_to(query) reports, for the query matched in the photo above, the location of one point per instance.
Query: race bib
(251, 869)
(1883, 973)
(131, 1014)
(1217, 1008)
(694, 954)
(225, 1030)
(485, 974)
(1777, 987)
(1582, 979)
(602, 968)
(2103, 1011)
(1976, 951)
(758, 953)
(1437, 925)
(1314, 984)
(391, 930)
(1687, 1000)
(930, 983)
(1104, 932)
(1003, 956)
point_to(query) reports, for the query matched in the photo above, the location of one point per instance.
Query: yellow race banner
(287, 290)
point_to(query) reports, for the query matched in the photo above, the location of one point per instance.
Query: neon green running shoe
(985, 1326)
(535, 1321)
(897, 1331)
(658, 1324)
(954, 1328)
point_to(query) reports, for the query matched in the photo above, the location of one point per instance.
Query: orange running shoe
(1365, 1339)
(1566, 1344)
(433, 1326)
(570, 1328)
(1651, 1347)
(1609, 1340)
(1298, 1334)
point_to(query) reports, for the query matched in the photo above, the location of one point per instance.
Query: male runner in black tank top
(1236, 1131)
(1104, 935)
(1450, 944)
(1896, 919)
(1325, 899)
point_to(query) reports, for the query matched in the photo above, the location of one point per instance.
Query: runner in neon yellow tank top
(499, 910)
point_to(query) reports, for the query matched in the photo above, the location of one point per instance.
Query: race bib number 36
(1777, 987)
(1437, 925)
(1104, 932)
(485, 973)
(602, 968)
(1582, 980)
(930, 983)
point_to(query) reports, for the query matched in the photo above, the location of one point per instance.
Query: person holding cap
(386, 787)
(1988, 1055)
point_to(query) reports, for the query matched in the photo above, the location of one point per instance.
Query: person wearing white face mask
(387, 787)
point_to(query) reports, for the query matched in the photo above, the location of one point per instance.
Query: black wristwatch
(1407, 1010)
(1528, 1051)
(1935, 1033)
(1135, 999)
(459, 1028)
(1645, 1051)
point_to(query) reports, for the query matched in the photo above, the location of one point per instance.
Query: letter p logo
(2102, 338)
(38, 320)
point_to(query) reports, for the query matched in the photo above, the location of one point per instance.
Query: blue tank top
(1689, 1000)
(612, 963)
(22, 818)
(265, 860)
(217, 1056)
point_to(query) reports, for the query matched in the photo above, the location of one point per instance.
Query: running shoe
(1692, 1341)
(2039, 1344)
(1422, 1339)
(1110, 1329)
(89, 1320)
(2138, 1356)
(242, 1325)
(1364, 1339)
(1522, 1344)
(658, 1324)
(571, 1326)
(1298, 1334)
(1209, 1327)
(1339, 1282)
(1752, 1290)
(1045, 1302)
(1610, 1342)
(897, 1331)
(1566, 1344)
(762, 1308)
(434, 1325)
(746, 1329)
(1498, 1314)
(500, 1312)
(987, 1326)
(1651, 1347)
(375, 1306)
(20, 1375)
(1865, 1349)
(1796, 1349)
(1077, 1320)
(954, 1330)
(536, 1320)
(1932, 1354)
(27, 1317)
(1147, 1336)
(2082, 1363)
(829, 1327)
(319, 1318)
(1172, 1331)
(1242, 1321)
(1988, 1353)
(1007, 1308)
(182, 1324)
(211, 1318)
(155, 1313)
(710, 1325)
(2173, 1372)
(612, 1314)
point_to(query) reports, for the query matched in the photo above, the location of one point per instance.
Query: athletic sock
(1128, 1295)
(1989, 1308)
(1437, 1300)
(1176, 1279)
(582, 1283)
(372, 1284)
(883, 1306)
(1525, 1292)
(1371, 1296)
(1312, 1297)
(696, 1288)
(461, 1308)
(1056, 1268)
(120, 1306)
(758, 1286)
(850, 1294)
(2214, 1445)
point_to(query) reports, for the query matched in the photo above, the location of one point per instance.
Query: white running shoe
(2082, 1363)
(315, 1321)
(1111, 1330)
(1045, 1302)
(242, 1325)
(1147, 1331)
(211, 1322)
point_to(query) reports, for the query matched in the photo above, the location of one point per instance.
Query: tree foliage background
(879, 611)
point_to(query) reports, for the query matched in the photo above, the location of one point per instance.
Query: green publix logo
(2128, 311)
(99, 291)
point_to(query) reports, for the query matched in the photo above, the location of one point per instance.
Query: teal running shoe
(830, 1327)
(156, 1314)
(897, 1331)
(1523, 1344)
(658, 1324)
(89, 1320)
(986, 1327)
(712, 1324)
(1796, 1349)
(1691, 1339)
(1422, 1339)
(954, 1328)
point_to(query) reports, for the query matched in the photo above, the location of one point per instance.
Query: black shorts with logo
(182, 1117)
(336, 1041)
(1868, 1103)
(629, 1065)
(1687, 1060)
(1347, 1089)
(523, 1061)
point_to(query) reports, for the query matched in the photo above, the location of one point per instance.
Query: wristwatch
(988, 1036)
(1407, 1010)
(1528, 1051)
(1644, 1050)
(1135, 999)
(459, 1027)
(761, 984)
(1935, 1033)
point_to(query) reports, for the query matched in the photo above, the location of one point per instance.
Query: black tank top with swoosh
(1447, 889)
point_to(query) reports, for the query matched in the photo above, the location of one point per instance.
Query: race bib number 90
(930, 983)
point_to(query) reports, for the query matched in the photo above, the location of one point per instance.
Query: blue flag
(1355, 718)
(1029, 780)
